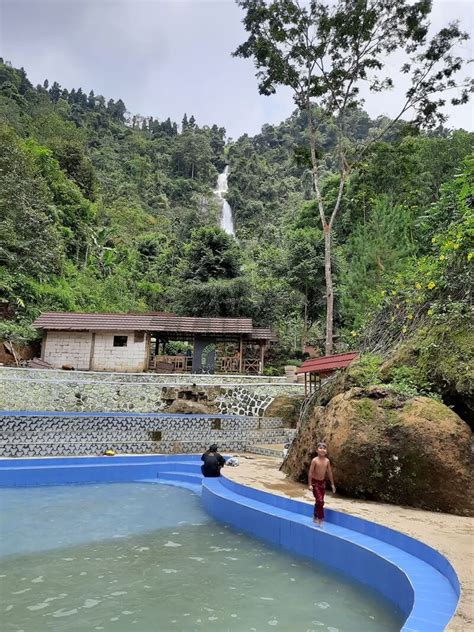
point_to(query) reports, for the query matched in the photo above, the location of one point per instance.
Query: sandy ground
(450, 535)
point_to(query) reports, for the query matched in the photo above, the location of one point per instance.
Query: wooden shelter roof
(263, 333)
(327, 364)
(152, 322)
(70, 321)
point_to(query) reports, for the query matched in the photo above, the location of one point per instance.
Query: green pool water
(146, 557)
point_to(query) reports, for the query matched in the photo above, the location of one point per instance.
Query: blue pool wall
(275, 519)
(366, 567)
(366, 527)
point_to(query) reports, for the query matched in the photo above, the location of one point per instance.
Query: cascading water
(227, 223)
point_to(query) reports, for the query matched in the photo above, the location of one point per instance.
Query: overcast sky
(164, 58)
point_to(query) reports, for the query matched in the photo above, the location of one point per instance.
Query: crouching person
(213, 462)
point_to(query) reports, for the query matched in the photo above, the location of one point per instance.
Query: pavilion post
(91, 354)
(262, 356)
(43, 344)
(241, 354)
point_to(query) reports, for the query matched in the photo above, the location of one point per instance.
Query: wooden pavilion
(137, 342)
(316, 369)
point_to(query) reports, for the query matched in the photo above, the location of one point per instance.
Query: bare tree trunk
(327, 227)
(329, 290)
(9, 344)
(305, 322)
(86, 256)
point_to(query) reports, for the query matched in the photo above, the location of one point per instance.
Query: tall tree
(55, 92)
(305, 265)
(30, 238)
(326, 52)
(211, 254)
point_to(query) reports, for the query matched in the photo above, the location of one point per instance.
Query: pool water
(146, 557)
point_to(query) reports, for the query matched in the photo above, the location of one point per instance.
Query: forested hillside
(101, 210)
(391, 212)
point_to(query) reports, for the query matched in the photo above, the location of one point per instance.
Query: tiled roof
(327, 364)
(263, 333)
(69, 321)
(158, 321)
(186, 324)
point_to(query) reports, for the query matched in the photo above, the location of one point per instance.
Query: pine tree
(55, 92)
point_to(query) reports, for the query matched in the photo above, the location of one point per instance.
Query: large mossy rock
(286, 408)
(192, 400)
(441, 356)
(186, 407)
(383, 447)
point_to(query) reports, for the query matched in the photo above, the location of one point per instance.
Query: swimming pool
(148, 557)
(413, 577)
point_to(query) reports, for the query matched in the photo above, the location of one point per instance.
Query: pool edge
(273, 515)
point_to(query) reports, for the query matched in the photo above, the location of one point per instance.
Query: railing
(184, 364)
(252, 366)
(228, 364)
(174, 364)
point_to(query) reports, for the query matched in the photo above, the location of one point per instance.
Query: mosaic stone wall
(25, 391)
(169, 379)
(240, 400)
(69, 434)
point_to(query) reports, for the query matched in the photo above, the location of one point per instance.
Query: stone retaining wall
(154, 378)
(42, 390)
(68, 434)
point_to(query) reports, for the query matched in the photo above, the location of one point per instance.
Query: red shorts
(319, 489)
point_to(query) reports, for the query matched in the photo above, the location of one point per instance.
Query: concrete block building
(136, 342)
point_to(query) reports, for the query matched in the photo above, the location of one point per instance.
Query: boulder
(191, 399)
(388, 448)
(290, 373)
(188, 407)
(286, 408)
(441, 357)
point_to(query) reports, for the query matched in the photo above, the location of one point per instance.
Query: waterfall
(227, 223)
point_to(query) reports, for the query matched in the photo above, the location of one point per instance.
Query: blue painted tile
(355, 547)
(424, 625)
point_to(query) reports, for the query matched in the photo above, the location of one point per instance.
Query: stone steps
(73, 448)
(56, 434)
(275, 450)
(256, 436)
(13, 422)
(145, 433)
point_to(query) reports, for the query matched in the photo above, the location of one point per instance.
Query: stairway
(30, 434)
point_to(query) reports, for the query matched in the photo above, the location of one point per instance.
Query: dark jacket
(213, 461)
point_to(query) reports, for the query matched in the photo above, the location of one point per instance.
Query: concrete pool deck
(450, 535)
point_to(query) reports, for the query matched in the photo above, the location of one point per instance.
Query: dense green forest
(101, 210)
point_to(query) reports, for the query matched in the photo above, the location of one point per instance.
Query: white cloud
(164, 58)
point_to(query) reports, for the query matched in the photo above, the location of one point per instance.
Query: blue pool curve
(413, 576)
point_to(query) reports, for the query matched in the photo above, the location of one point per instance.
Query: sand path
(450, 535)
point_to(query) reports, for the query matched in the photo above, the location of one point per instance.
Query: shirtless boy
(319, 469)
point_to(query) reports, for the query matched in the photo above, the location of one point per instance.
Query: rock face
(383, 447)
(442, 356)
(286, 408)
(191, 400)
(190, 408)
